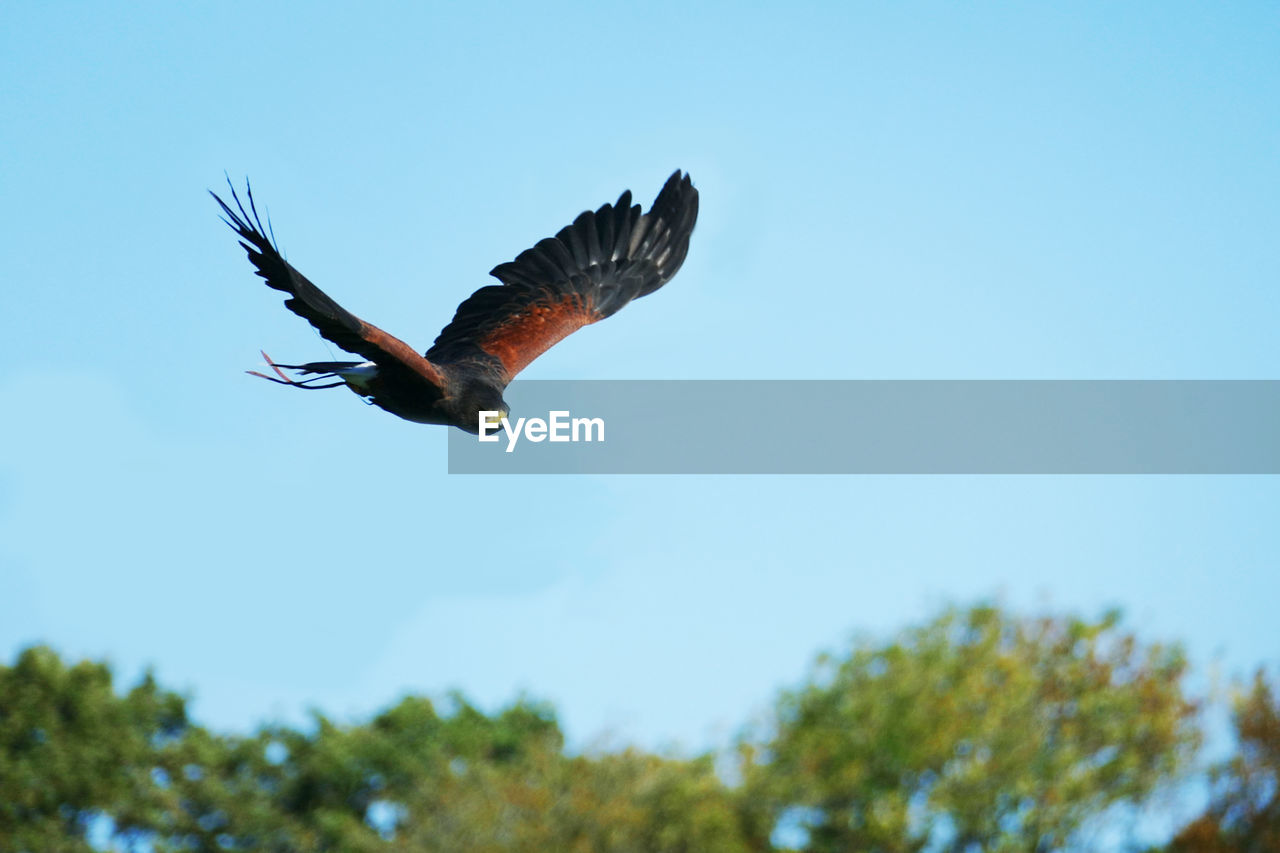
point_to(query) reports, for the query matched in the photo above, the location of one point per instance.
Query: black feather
(608, 257)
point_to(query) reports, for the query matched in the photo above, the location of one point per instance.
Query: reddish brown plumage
(534, 329)
(387, 343)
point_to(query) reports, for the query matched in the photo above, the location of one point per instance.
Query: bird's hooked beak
(492, 420)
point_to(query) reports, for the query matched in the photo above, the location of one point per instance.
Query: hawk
(585, 273)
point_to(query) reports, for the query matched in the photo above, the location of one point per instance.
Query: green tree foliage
(347, 788)
(620, 802)
(73, 753)
(72, 750)
(977, 731)
(974, 732)
(1244, 815)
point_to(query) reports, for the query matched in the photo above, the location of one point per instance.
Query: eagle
(588, 271)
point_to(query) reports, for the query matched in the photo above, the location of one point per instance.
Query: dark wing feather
(329, 318)
(585, 273)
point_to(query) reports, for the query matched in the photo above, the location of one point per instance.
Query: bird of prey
(589, 270)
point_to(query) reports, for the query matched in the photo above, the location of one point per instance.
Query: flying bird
(585, 273)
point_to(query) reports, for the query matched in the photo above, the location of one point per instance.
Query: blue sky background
(889, 191)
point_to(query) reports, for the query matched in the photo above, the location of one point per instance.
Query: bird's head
(477, 399)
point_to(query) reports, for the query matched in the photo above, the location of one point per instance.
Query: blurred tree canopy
(976, 731)
(1244, 813)
(77, 760)
(71, 749)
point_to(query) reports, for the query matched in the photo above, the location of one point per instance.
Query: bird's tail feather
(320, 366)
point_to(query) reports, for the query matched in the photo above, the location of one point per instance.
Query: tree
(504, 783)
(977, 731)
(76, 757)
(629, 801)
(72, 751)
(1244, 814)
(362, 787)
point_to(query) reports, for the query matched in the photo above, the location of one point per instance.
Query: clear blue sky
(888, 191)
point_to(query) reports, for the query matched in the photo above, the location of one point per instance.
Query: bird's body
(588, 271)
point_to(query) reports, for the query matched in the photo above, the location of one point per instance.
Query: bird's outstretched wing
(306, 300)
(585, 273)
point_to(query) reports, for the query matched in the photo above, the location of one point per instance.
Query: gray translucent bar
(889, 427)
